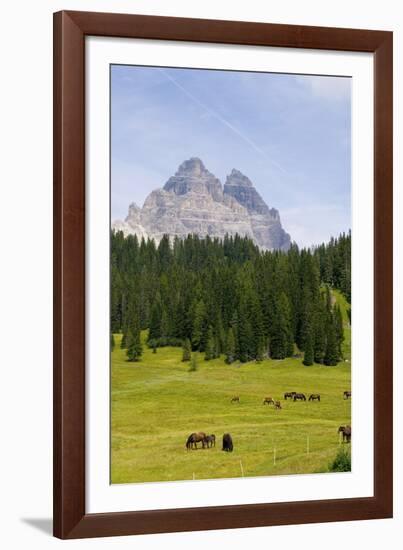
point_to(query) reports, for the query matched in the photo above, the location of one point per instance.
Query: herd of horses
(293, 395)
(209, 441)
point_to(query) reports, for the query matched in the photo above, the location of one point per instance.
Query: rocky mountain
(194, 201)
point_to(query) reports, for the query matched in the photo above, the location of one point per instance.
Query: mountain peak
(191, 167)
(237, 178)
(193, 177)
(193, 201)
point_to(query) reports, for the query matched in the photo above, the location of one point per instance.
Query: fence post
(240, 462)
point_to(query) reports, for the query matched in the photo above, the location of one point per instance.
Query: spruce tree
(308, 354)
(244, 333)
(210, 345)
(154, 329)
(319, 332)
(260, 351)
(281, 341)
(134, 347)
(123, 344)
(186, 350)
(193, 364)
(332, 352)
(339, 328)
(230, 347)
(198, 326)
(112, 342)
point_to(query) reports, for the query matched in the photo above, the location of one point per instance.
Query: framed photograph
(222, 274)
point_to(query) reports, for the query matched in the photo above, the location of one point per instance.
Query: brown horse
(277, 405)
(289, 394)
(299, 397)
(346, 394)
(235, 399)
(346, 431)
(210, 440)
(268, 400)
(194, 439)
(314, 397)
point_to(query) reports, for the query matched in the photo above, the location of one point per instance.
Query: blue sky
(290, 134)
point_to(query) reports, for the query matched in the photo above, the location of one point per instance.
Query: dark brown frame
(70, 30)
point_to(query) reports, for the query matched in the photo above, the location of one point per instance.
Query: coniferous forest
(228, 297)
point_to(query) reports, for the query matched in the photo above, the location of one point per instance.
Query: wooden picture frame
(70, 517)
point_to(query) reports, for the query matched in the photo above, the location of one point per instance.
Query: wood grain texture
(70, 29)
(69, 277)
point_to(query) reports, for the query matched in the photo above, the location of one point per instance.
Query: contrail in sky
(222, 120)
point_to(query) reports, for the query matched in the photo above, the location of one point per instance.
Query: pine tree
(154, 329)
(339, 328)
(319, 332)
(134, 347)
(199, 326)
(194, 364)
(210, 345)
(308, 354)
(112, 342)
(186, 350)
(332, 353)
(281, 342)
(230, 347)
(244, 333)
(217, 347)
(260, 351)
(123, 344)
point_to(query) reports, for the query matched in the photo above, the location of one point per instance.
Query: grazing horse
(210, 440)
(289, 394)
(346, 431)
(299, 397)
(268, 400)
(346, 394)
(314, 397)
(194, 439)
(235, 399)
(277, 405)
(227, 444)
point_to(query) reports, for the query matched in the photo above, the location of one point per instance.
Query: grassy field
(158, 402)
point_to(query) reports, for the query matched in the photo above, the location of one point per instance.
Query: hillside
(156, 403)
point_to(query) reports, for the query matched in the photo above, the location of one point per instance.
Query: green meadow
(157, 402)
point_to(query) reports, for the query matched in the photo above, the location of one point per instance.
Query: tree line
(229, 297)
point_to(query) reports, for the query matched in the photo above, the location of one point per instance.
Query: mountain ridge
(194, 200)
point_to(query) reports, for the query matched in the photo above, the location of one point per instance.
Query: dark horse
(346, 394)
(194, 439)
(277, 405)
(210, 440)
(235, 399)
(227, 444)
(314, 396)
(289, 394)
(268, 400)
(346, 431)
(299, 397)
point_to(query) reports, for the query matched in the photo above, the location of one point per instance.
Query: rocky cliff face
(194, 201)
